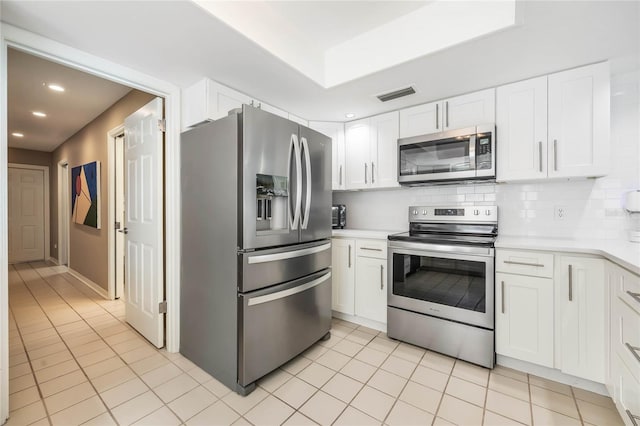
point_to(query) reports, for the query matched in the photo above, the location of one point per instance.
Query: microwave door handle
(294, 154)
(307, 160)
(472, 154)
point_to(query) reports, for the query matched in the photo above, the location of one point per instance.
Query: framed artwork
(85, 194)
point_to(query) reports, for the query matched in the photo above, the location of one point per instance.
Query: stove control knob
(476, 212)
(487, 212)
(424, 212)
(415, 212)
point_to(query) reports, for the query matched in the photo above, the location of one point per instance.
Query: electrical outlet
(560, 213)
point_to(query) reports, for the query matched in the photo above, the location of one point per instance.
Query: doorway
(117, 240)
(28, 208)
(63, 213)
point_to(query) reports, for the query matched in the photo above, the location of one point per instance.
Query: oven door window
(451, 282)
(442, 156)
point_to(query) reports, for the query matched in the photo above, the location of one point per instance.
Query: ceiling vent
(396, 94)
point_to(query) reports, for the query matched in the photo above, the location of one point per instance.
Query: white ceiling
(176, 41)
(84, 98)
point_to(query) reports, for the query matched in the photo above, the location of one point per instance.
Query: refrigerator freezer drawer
(278, 324)
(264, 268)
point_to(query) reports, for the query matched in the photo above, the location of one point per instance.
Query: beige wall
(88, 247)
(27, 156)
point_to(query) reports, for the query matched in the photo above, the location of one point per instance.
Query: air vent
(396, 94)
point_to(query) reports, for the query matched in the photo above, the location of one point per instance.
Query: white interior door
(26, 214)
(119, 217)
(143, 152)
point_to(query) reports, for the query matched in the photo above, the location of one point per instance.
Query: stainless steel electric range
(441, 275)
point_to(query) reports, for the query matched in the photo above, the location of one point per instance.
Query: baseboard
(93, 286)
(53, 260)
(551, 374)
(361, 321)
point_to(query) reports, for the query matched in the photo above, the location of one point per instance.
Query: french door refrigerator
(256, 250)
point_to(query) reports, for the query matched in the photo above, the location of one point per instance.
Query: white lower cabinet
(580, 317)
(343, 275)
(360, 278)
(524, 318)
(371, 288)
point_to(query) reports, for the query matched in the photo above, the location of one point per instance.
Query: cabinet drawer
(627, 390)
(532, 263)
(628, 289)
(626, 328)
(372, 248)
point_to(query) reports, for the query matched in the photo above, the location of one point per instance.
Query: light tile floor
(73, 360)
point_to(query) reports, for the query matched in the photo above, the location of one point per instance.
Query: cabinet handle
(372, 173)
(555, 154)
(446, 107)
(634, 351)
(502, 293)
(349, 255)
(570, 283)
(636, 296)
(381, 277)
(437, 116)
(369, 248)
(634, 419)
(540, 154)
(513, 262)
(340, 179)
(365, 172)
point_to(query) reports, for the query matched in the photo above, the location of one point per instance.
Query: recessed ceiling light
(17, 134)
(39, 114)
(56, 88)
(350, 115)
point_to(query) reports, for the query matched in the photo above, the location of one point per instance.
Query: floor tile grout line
(117, 355)
(74, 358)
(575, 401)
(530, 401)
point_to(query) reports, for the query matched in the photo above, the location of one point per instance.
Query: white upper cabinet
(298, 120)
(448, 114)
(371, 152)
(469, 110)
(579, 122)
(273, 110)
(421, 120)
(336, 132)
(521, 121)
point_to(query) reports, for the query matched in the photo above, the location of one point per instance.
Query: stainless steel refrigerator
(256, 254)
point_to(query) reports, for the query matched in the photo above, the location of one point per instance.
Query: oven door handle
(434, 250)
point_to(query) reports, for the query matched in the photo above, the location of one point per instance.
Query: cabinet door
(521, 121)
(336, 132)
(343, 275)
(421, 119)
(371, 288)
(579, 122)
(222, 99)
(384, 159)
(357, 148)
(580, 299)
(470, 110)
(524, 318)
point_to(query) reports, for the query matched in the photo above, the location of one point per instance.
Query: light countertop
(363, 233)
(624, 253)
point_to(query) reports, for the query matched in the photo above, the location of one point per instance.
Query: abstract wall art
(85, 194)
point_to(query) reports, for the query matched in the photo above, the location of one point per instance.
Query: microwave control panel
(483, 146)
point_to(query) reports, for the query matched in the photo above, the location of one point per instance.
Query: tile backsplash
(581, 208)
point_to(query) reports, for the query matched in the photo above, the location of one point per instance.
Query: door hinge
(162, 125)
(117, 225)
(162, 307)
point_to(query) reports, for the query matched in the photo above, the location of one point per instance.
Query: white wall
(593, 207)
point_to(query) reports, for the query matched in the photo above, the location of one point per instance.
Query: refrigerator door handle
(294, 148)
(289, 292)
(287, 254)
(307, 160)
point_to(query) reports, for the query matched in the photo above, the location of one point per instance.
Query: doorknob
(124, 231)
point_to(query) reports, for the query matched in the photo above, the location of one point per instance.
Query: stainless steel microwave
(463, 154)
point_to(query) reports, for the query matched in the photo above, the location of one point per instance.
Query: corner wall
(88, 247)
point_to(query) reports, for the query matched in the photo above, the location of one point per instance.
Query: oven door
(451, 282)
